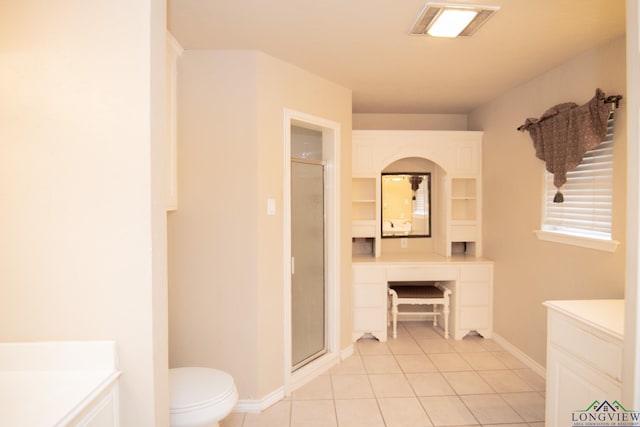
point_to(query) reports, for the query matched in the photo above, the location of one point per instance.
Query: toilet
(200, 397)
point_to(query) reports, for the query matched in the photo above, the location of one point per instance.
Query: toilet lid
(196, 387)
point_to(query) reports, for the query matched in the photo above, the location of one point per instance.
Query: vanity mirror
(406, 205)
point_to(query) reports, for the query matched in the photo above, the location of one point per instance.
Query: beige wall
(82, 252)
(225, 254)
(378, 121)
(529, 271)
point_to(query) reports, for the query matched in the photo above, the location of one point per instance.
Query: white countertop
(604, 315)
(416, 258)
(48, 384)
(48, 398)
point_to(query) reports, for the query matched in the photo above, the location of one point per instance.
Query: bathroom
(237, 327)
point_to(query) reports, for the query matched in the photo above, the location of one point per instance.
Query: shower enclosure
(308, 278)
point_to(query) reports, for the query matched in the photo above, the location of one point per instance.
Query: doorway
(311, 247)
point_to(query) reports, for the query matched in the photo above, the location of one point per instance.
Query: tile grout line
(450, 385)
(474, 370)
(407, 378)
(410, 346)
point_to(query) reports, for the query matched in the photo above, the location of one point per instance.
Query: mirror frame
(428, 197)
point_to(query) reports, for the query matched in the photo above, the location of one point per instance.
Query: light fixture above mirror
(451, 19)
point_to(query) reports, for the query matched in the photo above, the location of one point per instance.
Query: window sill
(585, 242)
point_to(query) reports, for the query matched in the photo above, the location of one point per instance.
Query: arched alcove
(436, 212)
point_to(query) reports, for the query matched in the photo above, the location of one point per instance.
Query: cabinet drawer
(369, 295)
(463, 233)
(592, 346)
(475, 318)
(421, 273)
(474, 293)
(476, 273)
(368, 275)
(369, 319)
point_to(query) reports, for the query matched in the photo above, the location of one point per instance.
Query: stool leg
(445, 314)
(435, 315)
(394, 312)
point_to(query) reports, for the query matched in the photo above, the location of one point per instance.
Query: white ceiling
(364, 45)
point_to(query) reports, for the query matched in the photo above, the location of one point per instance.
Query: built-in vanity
(585, 344)
(449, 252)
(469, 279)
(59, 384)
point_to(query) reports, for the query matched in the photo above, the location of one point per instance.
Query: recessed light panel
(451, 20)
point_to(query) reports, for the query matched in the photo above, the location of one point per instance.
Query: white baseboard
(259, 405)
(517, 353)
(346, 352)
(312, 370)
(256, 406)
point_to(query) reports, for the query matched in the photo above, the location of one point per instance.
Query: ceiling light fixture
(451, 20)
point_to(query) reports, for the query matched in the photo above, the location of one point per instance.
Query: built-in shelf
(463, 199)
(464, 215)
(463, 188)
(363, 207)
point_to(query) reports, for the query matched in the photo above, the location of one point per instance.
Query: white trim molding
(255, 406)
(331, 156)
(520, 355)
(346, 352)
(582, 241)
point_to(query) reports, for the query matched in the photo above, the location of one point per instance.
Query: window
(585, 216)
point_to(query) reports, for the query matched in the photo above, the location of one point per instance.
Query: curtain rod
(613, 99)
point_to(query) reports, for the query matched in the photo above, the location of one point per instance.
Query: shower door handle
(293, 265)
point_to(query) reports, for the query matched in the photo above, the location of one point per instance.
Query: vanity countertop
(604, 315)
(50, 383)
(408, 259)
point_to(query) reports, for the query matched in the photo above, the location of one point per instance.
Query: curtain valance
(566, 131)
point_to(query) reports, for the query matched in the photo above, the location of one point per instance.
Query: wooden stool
(422, 293)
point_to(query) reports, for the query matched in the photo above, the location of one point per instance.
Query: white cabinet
(471, 283)
(456, 219)
(363, 159)
(584, 356)
(369, 301)
(457, 152)
(472, 301)
(51, 383)
(102, 411)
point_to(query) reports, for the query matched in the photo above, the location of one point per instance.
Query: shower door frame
(309, 285)
(331, 156)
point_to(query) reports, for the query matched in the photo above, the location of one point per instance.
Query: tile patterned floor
(416, 380)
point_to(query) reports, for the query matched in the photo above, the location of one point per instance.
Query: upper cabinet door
(457, 152)
(363, 159)
(467, 156)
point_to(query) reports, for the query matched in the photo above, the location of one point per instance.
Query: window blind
(420, 204)
(588, 194)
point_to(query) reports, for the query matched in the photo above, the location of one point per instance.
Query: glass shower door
(308, 294)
